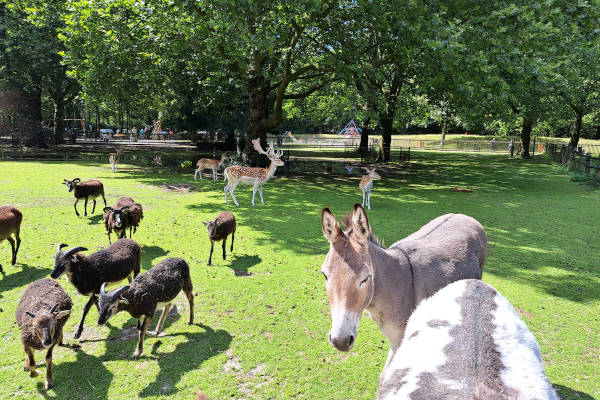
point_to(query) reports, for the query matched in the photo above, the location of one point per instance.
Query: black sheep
(125, 214)
(87, 273)
(85, 190)
(41, 315)
(218, 229)
(160, 285)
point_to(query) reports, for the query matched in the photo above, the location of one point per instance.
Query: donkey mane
(347, 222)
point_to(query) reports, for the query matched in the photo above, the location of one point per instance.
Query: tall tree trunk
(258, 112)
(59, 120)
(576, 126)
(526, 135)
(364, 137)
(387, 127)
(97, 119)
(444, 131)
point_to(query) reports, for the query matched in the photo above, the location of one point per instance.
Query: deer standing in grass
(366, 184)
(209, 163)
(252, 176)
(113, 158)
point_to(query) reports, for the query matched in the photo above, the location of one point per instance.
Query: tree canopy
(258, 67)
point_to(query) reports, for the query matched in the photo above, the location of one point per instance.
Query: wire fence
(576, 159)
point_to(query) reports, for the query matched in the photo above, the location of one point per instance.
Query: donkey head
(348, 275)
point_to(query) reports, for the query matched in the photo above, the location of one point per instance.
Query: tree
(267, 46)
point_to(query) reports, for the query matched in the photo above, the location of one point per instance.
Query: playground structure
(351, 130)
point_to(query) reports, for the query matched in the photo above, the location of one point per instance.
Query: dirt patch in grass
(178, 187)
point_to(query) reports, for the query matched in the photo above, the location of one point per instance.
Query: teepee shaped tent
(351, 129)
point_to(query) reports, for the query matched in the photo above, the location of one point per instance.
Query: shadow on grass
(95, 219)
(189, 355)
(98, 378)
(150, 253)
(25, 274)
(241, 264)
(566, 393)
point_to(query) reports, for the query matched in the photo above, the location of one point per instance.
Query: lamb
(160, 285)
(85, 190)
(10, 224)
(219, 229)
(466, 342)
(87, 273)
(41, 315)
(125, 214)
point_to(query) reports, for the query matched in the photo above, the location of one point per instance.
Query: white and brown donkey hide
(466, 342)
(389, 283)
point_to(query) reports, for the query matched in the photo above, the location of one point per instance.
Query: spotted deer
(252, 176)
(209, 163)
(113, 158)
(366, 184)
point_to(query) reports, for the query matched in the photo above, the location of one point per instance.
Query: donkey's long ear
(331, 228)
(360, 225)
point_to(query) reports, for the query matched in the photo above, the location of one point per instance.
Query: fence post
(588, 159)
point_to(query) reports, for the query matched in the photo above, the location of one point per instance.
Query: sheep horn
(53, 309)
(60, 247)
(76, 180)
(74, 250)
(102, 290)
(120, 290)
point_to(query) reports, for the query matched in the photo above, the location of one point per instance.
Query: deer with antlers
(113, 158)
(256, 177)
(366, 184)
(209, 163)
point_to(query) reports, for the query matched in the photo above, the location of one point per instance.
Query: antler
(258, 147)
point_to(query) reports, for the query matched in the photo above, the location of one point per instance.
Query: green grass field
(262, 316)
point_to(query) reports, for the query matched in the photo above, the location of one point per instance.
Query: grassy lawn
(262, 315)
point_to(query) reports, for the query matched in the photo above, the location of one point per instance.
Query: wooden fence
(575, 159)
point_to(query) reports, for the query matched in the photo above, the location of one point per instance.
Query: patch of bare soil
(178, 187)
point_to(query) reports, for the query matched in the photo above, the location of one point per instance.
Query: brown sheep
(125, 214)
(10, 224)
(41, 315)
(85, 190)
(219, 229)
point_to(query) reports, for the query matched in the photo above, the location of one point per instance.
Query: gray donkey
(389, 283)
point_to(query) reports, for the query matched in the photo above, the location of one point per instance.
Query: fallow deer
(209, 163)
(366, 184)
(252, 176)
(113, 158)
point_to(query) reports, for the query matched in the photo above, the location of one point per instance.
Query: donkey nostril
(351, 341)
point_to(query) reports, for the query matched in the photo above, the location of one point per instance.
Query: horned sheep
(41, 315)
(160, 285)
(466, 342)
(85, 190)
(87, 273)
(125, 214)
(10, 224)
(218, 229)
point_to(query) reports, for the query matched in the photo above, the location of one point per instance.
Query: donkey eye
(364, 280)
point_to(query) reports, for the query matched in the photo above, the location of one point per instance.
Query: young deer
(252, 176)
(209, 163)
(113, 158)
(366, 184)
